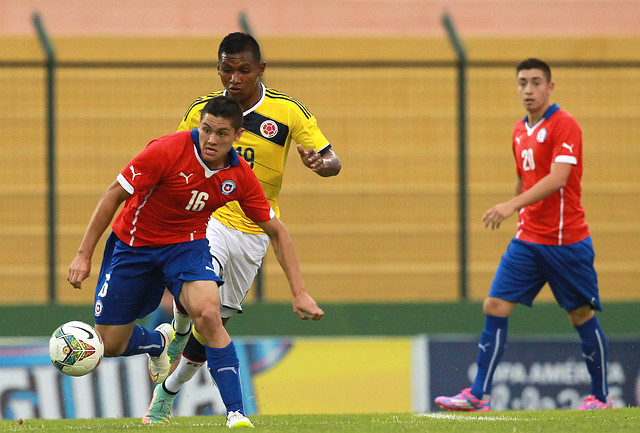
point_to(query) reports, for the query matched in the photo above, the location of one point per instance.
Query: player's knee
(211, 315)
(208, 320)
(497, 307)
(580, 315)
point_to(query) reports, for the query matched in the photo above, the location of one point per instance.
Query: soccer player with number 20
(552, 244)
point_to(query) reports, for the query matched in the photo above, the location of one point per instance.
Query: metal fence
(386, 229)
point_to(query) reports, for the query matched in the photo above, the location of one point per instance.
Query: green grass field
(561, 421)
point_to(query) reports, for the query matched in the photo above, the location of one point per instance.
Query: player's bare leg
(202, 302)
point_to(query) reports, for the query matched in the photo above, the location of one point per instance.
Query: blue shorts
(525, 267)
(132, 279)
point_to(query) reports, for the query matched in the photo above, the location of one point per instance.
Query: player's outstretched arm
(325, 165)
(80, 267)
(303, 305)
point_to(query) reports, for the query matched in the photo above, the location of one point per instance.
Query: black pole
(45, 41)
(462, 154)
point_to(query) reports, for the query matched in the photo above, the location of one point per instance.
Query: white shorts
(237, 256)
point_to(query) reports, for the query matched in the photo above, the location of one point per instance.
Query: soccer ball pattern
(75, 348)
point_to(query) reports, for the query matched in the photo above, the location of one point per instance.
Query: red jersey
(559, 218)
(173, 192)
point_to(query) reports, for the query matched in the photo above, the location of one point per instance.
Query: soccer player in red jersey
(552, 243)
(159, 240)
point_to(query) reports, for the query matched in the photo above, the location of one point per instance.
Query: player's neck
(534, 117)
(219, 165)
(252, 100)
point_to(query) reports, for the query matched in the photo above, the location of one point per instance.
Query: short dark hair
(239, 42)
(225, 107)
(533, 63)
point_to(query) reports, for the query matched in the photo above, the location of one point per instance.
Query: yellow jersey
(269, 127)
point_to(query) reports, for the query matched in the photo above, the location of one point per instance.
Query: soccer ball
(75, 348)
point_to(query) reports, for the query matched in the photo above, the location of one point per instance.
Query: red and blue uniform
(159, 237)
(552, 243)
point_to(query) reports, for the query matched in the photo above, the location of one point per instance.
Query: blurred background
(421, 121)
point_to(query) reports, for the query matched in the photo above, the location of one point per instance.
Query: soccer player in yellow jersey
(271, 120)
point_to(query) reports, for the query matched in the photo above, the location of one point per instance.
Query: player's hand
(306, 308)
(79, 270)
(494, 216)
(311, 159)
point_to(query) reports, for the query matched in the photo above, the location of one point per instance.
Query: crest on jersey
(269, 129)
(542, 134)
(227, 187)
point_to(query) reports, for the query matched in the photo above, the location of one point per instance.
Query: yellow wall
(385, 228)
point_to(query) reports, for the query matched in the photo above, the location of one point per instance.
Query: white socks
(183, 373)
